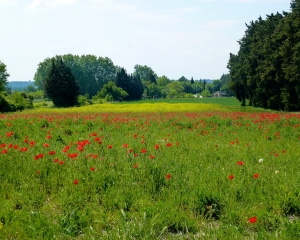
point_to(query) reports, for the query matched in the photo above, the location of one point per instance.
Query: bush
(15, 102)
(83, 100)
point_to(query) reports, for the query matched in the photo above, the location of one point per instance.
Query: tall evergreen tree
(61, 86)
(192, 81)
(3, 76)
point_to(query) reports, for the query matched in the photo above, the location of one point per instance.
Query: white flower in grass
(260, 160)
(276, 172)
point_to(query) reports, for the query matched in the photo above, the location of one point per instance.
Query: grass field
(150, 170)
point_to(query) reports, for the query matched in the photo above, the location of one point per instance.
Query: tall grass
(149, 175)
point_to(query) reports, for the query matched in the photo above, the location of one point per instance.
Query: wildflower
(135, 165)
(23, 149)
(75, 182)
(156, 146)
(32, 143)
(46, 145)
(230, 177)
(151, 156)
(61, 162)
(49, 137)
(51, 153)
(125, 145)
(130, 150)
(256, 175)
(276, 172)
(9, 134)
(92, 169)
(143, 150)
(56, 160)
(252, 220)
(4, 151)
(260, 160)
(40, 155)
(169, 144)
(109, 146)
(38, 172)
(135, 155)
(16, 146)
(240, 163)
(10, 145)
(168, 176)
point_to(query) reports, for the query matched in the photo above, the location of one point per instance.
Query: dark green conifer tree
(60, 85)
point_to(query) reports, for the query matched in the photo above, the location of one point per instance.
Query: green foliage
(17, 101)
(131, 84)
(112, 91)
(266, 69)
(3, 76)
(205, 93)
(90, 72)
(83, 100)
(61, 86)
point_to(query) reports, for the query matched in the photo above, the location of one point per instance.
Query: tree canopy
(266, 69)
(3, 76)
(90, 72)
(60, 85)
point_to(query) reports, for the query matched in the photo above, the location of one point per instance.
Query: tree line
(70, 80)
(266, 69)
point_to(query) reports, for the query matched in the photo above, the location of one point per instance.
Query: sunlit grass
(149, 171)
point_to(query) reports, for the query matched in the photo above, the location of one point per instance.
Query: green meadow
(151, 169)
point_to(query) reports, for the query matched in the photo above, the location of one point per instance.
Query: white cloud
(8, 2)
(50, 4)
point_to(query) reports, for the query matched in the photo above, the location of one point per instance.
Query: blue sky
(191, 38)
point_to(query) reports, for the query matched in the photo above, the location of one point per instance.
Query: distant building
(220, 94)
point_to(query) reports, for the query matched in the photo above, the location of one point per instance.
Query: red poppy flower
(75, 182)
(80, 148)
(3, 145)
(151, 156)
(48, 137)
(61, 162)
(230, 177)
(9, 134)
(240, 163)
(38, 172)
(252, 220)
(40, 155)
(56, 160)
(51, 153)
(16, 146)
(10, 145)
(135, 165)
(4, 151)
(125, 145)
(135, 155)
(109, 146)
(32, 143)
(92, 169)
(23, 149)
(156, 146)
(256, 175)
(168, 176)
(130, 150)
(143, 150)
(169, 144)
(46, 145)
